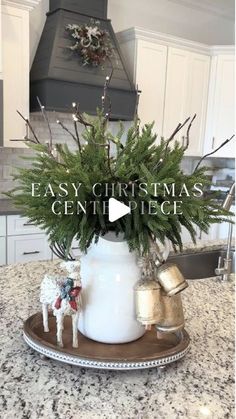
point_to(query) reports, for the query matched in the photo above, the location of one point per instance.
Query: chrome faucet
(224, 271)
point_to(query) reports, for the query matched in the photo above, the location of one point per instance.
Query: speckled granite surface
(199, 386)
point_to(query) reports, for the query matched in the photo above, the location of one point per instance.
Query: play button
(117, 209)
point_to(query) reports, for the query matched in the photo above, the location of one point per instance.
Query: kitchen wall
(204, 22)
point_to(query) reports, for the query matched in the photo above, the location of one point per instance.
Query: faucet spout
(229, 198)
(224, 271)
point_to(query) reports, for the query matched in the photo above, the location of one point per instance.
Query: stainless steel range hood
(58, 78)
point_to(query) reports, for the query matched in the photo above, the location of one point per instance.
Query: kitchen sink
(198, 265)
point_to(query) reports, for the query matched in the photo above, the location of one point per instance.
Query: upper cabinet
(186, 94)
(176, 90)
(150, 78)
(179, 78)
(147, 61)
(15, 36)
(197, 97)
(14, 51)
(221, 109)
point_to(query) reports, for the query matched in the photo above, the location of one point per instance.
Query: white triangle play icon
(117, 209)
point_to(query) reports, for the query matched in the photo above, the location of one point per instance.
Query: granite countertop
(198, 386)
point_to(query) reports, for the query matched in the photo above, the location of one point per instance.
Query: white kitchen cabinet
(197, 97)
(173, 76)
(221, 106)
(223, 228)
(15, 54)
(186, 94)
(17, 225)
(150, 78)
(211, 235)
(75, 248)
(15, 61)
(75, 252)
(185, 236)
(146, 61)
(176, 91)
(3, 226)
(3, 259)
(25, 242)
(27, 248)
(216, 232)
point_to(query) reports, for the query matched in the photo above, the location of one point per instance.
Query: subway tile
(7, 172)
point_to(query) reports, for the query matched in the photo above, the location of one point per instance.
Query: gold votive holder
(147, 302)
(172, 315)
(171, 279)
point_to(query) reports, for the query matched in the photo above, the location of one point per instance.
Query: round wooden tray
(146, 352)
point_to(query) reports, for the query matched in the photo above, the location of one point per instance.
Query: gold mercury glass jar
(148, 302)
(172, 316)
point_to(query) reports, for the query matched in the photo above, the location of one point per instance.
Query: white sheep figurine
(63, 295)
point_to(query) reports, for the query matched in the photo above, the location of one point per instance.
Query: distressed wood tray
(146, 352)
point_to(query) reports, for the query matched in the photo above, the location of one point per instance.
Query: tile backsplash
(10, 158)
(221, 169)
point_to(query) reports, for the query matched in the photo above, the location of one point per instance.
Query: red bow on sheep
(68, 292)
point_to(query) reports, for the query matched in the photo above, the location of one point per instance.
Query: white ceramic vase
(109, 272)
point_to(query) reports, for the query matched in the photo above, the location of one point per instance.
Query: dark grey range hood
(58, 78)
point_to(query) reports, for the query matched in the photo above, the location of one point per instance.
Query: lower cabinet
(216, 232)
(75, 252)
(3, 259)
(27, 248)
(223, 228)
(3, 255)
(75, 249)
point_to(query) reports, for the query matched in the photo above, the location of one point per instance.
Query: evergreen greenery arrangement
(140, 159)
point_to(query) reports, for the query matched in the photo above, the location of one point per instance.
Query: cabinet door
(17, 225)
(198, 80)
(221, 108)
(223, 228)
(186, 94)
(3, 251)
(75, 251)
(15, 59)
(185, 235)
(211, 235)
(75, 248)
(27, 248)
(150, 77)
(3, 225)
(176, 91)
